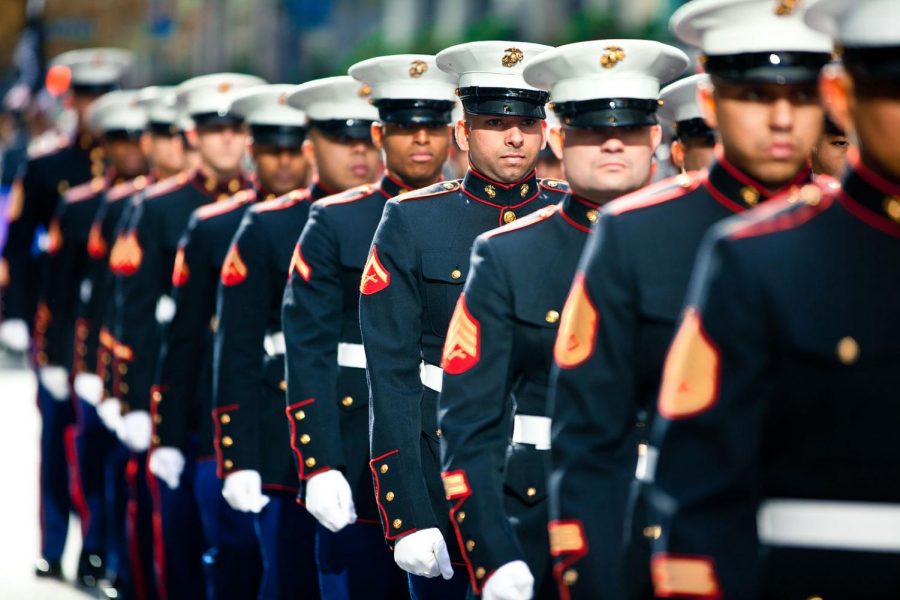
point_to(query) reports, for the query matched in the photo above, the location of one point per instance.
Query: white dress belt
(432, 376)
(274, 343)
(864, 526)
(351, 355)
(532, 430)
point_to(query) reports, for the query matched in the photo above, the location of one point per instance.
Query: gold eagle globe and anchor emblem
(417, 68)
(612, 55)
(512, 57)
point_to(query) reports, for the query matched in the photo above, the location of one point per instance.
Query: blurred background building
(294, 40)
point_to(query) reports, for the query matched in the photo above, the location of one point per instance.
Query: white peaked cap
(597, 69)
(405, 77)
(268, 105)
(334, 98)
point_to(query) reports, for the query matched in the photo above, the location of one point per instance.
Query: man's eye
(840, 143)
(528, 122)
(494, 122)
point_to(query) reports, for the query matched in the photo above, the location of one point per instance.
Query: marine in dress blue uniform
(498, 353)
(252, 436)
(182, 410)
(416, 269)
(37, 193)
(693, 140)
(327, 389)
(778, 397)
(626, 298)
(144, 304)
(119, 122)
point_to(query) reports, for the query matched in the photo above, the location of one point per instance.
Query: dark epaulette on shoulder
(84, 191)
(208, 211)
(656, 193)
(167, 185)
(526, 221)
(127, 188)
(554, 185)
(351, 195)
(438, 189)
(281, 202)
(783, 212)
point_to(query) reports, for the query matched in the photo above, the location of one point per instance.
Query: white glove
(89, 388)
(330, 501)
(243, 491)
(424, 553)
(110, 413)
(512, 581)
(56, 381)
(135, 431)
(14, 335)
(167, 463)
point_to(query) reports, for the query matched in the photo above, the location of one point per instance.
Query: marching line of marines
(342, 375)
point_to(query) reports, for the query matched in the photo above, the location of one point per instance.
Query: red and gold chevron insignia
(690, 383)
(577, 328)
(684, 576)
(299, 264)
(54, 237)
(375, 277)
(234, 271)
(462, 347)
(96, 245)
(126, 255)
(180, 273)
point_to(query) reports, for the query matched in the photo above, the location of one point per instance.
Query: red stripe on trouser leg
(76, 491)
(132, 531)
(159, 546)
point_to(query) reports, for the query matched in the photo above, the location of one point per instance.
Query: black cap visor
(414, 112)
(767, 67)
(694, 129)
(280, 136)
(504, 102)
(607, 112)
(215, 120)
(344, 129)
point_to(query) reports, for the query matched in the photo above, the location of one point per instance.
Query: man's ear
(676, 154)
(192, 137)
(462, 134)
(655, 136)
(836, 92)
(707, 102)
(377, 133)
(556, 137)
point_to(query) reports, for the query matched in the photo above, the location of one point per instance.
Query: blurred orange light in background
(58, 79)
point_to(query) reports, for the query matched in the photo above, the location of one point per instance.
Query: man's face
(504, 149)
(874, 110)
(693, 153)
(415, 153)
(344, 163)
(830, 154)
(608, 162)
(165, 152)
(222, 147)
(767, 130)
(126, 157)
(280, 169)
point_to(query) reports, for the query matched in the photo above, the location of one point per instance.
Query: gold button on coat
(304, 439)
(347, 401)
(552, 316)
(470, 545)
(509, 216)
(389, 496)
(299, 415)
(480, 572)
(531, 492)
(455, 274)
(310, 462)
(225, 419)
(384, 469)
(229, 463)
(570, 577)
(227, 441)
(397, 523)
